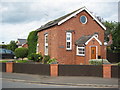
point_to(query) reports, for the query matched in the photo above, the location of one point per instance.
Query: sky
(19, 17)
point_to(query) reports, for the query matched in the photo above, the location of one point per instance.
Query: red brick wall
(88, 49)
(9, 67)
(57, 38)
(106, 70)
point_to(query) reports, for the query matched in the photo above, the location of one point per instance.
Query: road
(17, 84)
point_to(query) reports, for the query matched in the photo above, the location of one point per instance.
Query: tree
(110, 28)
(21, 52)
(116, 37)
(32, 42)
(12, 46)
(114, 29)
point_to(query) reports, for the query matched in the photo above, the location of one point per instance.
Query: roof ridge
(55, 21)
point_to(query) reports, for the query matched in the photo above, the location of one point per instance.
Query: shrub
(98, 61)
(21, 52)
(46, 58)
(35, 57)
(32, 42)
(119, 64)
(51, 61)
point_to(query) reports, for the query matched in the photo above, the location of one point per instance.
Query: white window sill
(80, 55)
(68, 49)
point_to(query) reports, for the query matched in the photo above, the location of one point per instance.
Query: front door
(93, 52)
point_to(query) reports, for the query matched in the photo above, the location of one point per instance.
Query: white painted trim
(69, 40)
(45, 44)
(67, 18)
(92, 38)
(78, 53)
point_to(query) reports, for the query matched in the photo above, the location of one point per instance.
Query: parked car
(6, 54)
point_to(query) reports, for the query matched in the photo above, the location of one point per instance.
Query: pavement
(97, 82)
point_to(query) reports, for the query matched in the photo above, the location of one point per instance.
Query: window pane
(46, 50)
(68, 38)
(68, 44)
(81, 50)
(83, 19)
(46, 39)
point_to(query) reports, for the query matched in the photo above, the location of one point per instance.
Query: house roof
(63, 19)
(84, 40)
(21, 42)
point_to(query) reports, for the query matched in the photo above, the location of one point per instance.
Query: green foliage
(110, 27)
(32, 42)
(52, 61)
(20, 61)
(116, 38)
(21, 52)
(119, 64)
(35, 57)
(46, 58)
(98, 61)
(3, 46)
(114, 29)
(12, 46)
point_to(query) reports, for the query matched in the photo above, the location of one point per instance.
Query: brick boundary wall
(53, 69)
(9, 67)
(106, 70)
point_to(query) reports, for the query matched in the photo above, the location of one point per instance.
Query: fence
(105, 70)
(114, 71)
(80, 70)
(3, 67)
(42, 69)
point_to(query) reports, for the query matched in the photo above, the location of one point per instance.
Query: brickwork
(9, 67)
(54, 70)
(106, 70)
(57, 39)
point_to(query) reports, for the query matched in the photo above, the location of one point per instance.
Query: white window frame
(80, 47)
(46, 45)
(96, 35)
(85, 18)
(37, 48)
(70, 33)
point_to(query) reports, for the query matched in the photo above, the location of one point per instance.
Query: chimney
(110, 39)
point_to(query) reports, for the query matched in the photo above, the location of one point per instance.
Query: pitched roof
(55, 22)
(62, 19)
(82, 40)
(21, 42)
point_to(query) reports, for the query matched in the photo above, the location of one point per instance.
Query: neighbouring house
(22, 43)
(73, 39)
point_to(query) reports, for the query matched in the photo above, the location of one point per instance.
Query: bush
(46, 58)
(32, 42)
(52, 61)
(98, 61)
(21, 52)
(35, 57)
(119, 64)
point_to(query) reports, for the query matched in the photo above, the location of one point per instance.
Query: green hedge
(32, 42)
(98, 61)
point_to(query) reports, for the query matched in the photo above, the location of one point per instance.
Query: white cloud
(23, 16)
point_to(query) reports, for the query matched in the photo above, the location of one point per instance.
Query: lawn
(16, 61)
